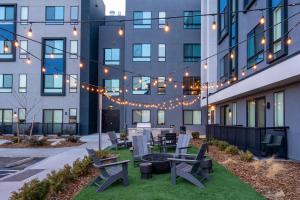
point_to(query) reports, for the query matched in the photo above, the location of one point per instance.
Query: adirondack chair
(109, 173)
(140, 148)
(115, 141)
(169, 141)
(147, 133)
(98, 161)
(190, 170)
(182, 145)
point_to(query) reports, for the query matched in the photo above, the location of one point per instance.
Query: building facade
(150, 65)
(40, 77)
(255, 77)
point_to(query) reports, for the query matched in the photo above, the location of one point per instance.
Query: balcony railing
(40, 128)
(246, 138)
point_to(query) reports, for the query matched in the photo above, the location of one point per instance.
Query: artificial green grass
(223, 185)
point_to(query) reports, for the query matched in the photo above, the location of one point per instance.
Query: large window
(142, 52)
(161, 52)
(142, 19)
(74, 15)
(226, 115)
(192, 52)
(112, 87)
(255, 48)
(161, 85)
(6, 81)
(161, 117)
(224, 68)
(23, 49)
(191, 85)
(55, 14)
(54, 63)
(222, 18)
(141, 85)
(73, 84)
(162, 19)
(279, 109)
(6, 116)
(112, 56)
(22, 115)
(74, 49)
(141, 116)
(192, 19)
(53, 116)
(7, 22)
(234, 111)
(192, 117)
(256, 113)
(73, 115)
(23, 83)
(251, 114)
(24, 14)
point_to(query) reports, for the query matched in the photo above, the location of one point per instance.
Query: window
(279, 109)
(22, 115)
(255, 48)
(53, 116)
(141, 85)
(24, 15)
(74, 14)
(112, 87)
(161, 117)
(7, 22)
(251, 114)
(256, 113)
(112, 56)
(277, 34)
(73, 83)
(74, 49)
(23, 49)
(6, 116)
(142, 52)
(161, 52)
(140, 116)
(248, 4)
(141, 20)
(226, 116)
(224, 68)
(234, 119)
(162, 19)
(222, 18)
(54, 63)
(192, 117)
(191, 85)
(6, 83)
(192, 19)
(73, 115)
(161, 85)
(54, 15)
(23, 83)
(192, 52)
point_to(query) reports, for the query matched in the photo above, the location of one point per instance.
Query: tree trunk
(32, 127)
(18, 132)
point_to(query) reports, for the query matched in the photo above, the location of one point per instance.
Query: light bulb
(232, 55)
(254, 67)
(6, 48)
(187, 74)
(270, 56)
(166, 28)
(81, 65)
(121, 31)
(29, 33)
(262, 20)
(75, 32)
(125, 77)
(243, 74)
(214, 25)
(289, 41)
(16, 44)
(106, 71)
(205, 66)
(263, 40)
(28, 61)
(170, 79)
(43, 69)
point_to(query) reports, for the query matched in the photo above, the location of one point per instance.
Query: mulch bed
(273, 179)
(72, 189)
(47, 145)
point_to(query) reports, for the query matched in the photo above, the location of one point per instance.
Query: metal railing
(40, 128)
(248, 138)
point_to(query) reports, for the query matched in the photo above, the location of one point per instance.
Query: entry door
(110, 120)
(260, 112)
(53, 121)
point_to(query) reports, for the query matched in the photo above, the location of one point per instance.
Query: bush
(14, 139)
(81, 167)
(57, 179)
(123, 136)
(233, 150)
(222, 145)
(33, 190)
(195, 135)
(246, 156)
(37, 141)
(73, 139)
(103, 154)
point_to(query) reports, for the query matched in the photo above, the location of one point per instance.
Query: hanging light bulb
(43, 69)
(170, 79)
(262, 20)
(28, 61)
(205, 66)
(125, 77)
(166, 27)
(121, 31)
(243, 73)
(16, 43)
(140, 80)
(186, 74)
(254, 67)
(270, 56)
(263, 41)
(175, 86)
(232, 55)
(214, 24)
(29, 33)
(6, 48)
(106, 71)
(289, 41)
(81, 65)
(75, 32)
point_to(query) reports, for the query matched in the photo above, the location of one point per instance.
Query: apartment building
(40, 79)
(255, 76)
(141, 62)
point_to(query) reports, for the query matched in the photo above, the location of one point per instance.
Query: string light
(29, 33)
(232, 55)
(262, 20)
(105, 70)
(186, 74)
(166, 27)
(121, 31)
(81, 65)
(205, 66)
(125, 77)
(16, 43)
(28, 61)
(289, 41)
(6, 48)
(263, 41)
(254, 67)
(75, 32)
(270, 56)
(170, 79)
(214, 24)
(175, 86)
(43, 69)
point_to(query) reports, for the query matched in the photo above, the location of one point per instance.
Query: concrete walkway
(56, 159)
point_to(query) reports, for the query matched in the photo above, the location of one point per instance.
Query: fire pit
(160, 163)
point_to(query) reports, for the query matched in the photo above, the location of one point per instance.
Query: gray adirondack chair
(115, 141)
(98, 161)
(190, 170)
(182, 145)
(147, 133)
(109, 173)
(140, 148)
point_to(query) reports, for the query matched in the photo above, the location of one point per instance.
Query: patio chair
(191, 170)
(147, 133)
(153, 141)
(115, 141)
(182, 145)
(140, 148)
(98, 161)
(168, 142)
(276, 144)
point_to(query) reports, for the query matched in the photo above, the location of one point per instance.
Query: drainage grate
(23, 175)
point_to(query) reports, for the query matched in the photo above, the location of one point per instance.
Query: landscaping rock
(2, 142)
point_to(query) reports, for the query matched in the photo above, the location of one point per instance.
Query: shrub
(33, 190)
(102, 154)
(195, 135)
(73, 139)
(14, 139)
(36, 141)
(246, 156)
(233, 150)
(222, 145)
(123, 136)
(57, 179)
(81, 167)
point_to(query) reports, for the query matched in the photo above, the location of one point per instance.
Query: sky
(116, 5)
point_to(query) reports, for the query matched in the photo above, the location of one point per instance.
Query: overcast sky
(116, 5)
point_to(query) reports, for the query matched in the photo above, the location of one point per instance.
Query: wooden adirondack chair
(115, 141)
(169, 141)
(190, 170)
(109, 173)
(140, 148)
(147, 134)
(182, 145)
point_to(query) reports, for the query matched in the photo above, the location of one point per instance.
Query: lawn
(223, 185)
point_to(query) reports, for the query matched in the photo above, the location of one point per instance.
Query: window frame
(164, 123)
(115, 94)
(72, 21)
(111, 62)
(52, 111)
(192, 25)
(25, 54)
(192, 111)
(25, 114)
(2, 115)
(74, 55)
(22, 21)
(73, 89)
(142, 25)
(141, 77)
(9, 89)
(162, 19)
(141, 110)
(55, 21)
(141, 58)
(253, 60)
(162, 58)
(73, 116)
(163, 88)
(23, 89)
(222, 33)
(193, 58)
(191, 80)
(274, 115)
